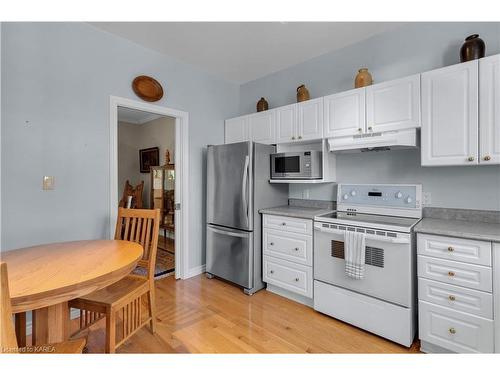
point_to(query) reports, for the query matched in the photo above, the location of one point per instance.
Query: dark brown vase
(262, 105)
(302, 94)
(472, 49)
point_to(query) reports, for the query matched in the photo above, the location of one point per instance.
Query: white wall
(133, 137)
(59, 77)
(410, 49)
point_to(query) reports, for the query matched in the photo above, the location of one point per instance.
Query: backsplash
(475, 187)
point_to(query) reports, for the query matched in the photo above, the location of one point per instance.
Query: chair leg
(20, 324)
(152, 310)
(110, 330)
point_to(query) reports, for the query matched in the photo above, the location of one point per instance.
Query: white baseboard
(290, 295)
(195, 271)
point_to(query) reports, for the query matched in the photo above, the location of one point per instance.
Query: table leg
(51, 324)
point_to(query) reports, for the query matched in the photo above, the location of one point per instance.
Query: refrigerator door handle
(244, 185)
(228, 233)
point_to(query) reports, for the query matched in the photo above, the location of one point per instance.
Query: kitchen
(337, 184)
(445, 293)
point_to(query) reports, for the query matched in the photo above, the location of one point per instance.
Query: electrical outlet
(48, 183)
(426, 198)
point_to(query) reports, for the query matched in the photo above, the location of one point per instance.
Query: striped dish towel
(354, 254)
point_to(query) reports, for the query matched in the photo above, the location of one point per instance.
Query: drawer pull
(296, 249)
(452, 331)
(271, 271)
(450, 249)
(451, 273)
(271, 244)
(487, 158)
(296, 279)
(451, 298)
(283, 223)
(470, 158)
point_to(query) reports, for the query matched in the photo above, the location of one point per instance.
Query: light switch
(48, 182)
(426, 198)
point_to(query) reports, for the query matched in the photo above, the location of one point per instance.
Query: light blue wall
(410, 49)
(58, 77)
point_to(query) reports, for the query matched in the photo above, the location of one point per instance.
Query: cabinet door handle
(296, 279)
(271, 271)
(487, 158)
(451, 273)
(293, 138)
(271, 244)
(451, 298)
(300, 137)
(370, 128)
(452, 330)
(360, 130)
(470, 158)
(283, 223)
(296, 249)
(450, 249)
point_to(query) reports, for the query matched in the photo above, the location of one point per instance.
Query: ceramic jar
(472, 49)
(262, 105)
(302, 93)
(363, 78)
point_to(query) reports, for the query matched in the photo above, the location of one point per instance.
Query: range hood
(380, 141)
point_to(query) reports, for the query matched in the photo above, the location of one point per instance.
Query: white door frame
(181, 173)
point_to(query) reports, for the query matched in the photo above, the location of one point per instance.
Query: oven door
(388, 263)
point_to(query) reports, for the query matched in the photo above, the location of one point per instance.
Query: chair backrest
(141, 226)
(8, 340)
(135, 192)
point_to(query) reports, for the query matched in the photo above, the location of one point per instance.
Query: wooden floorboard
(210, 316)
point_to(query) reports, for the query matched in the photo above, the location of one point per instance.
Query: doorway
(148, 169)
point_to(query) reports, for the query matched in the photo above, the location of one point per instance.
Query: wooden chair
(121, 302)
(8, 340)
(135, 192)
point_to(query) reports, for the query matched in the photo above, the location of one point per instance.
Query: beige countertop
(460, 228)
(296, 211)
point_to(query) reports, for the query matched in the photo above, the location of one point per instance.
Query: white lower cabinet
(455, 331)
(455, 292)
(287, 245)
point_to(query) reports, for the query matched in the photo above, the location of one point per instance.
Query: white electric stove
(384, 301)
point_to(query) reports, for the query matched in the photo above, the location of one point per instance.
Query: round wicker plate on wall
(147, 88)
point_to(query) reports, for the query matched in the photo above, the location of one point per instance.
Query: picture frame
(149, 157)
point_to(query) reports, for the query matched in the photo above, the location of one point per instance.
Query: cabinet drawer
(456, 297)
(287, 275)
(456, 273)
(289, 224)
(453, 330)
(459, 249)
(289, 246)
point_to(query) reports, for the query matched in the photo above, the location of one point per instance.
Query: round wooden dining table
(44, 278)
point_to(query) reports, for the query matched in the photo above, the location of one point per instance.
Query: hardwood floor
(209, 316)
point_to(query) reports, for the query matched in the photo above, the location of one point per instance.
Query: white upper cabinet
(450, 115)
(393, 105)
(262, 127)
(236, 130)
(489, 110)
(286, 123)
(344, 113)
(310, 119)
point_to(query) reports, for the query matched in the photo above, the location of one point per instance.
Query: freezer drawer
(230, 255)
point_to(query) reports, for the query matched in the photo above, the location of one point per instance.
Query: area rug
(165, 260)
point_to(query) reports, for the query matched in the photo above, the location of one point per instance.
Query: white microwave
(303, 165)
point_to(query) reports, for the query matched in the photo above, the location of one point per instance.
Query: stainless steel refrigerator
(237, 188)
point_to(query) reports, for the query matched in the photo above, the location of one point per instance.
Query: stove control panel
(379, 195)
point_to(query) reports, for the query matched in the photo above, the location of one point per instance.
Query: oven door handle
(367, 236)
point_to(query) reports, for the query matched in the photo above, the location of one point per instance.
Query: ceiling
(244, 51)
(134, 116)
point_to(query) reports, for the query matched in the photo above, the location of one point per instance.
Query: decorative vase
(363, 78)
(302, 93)
(262, 105)
(472, 49)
